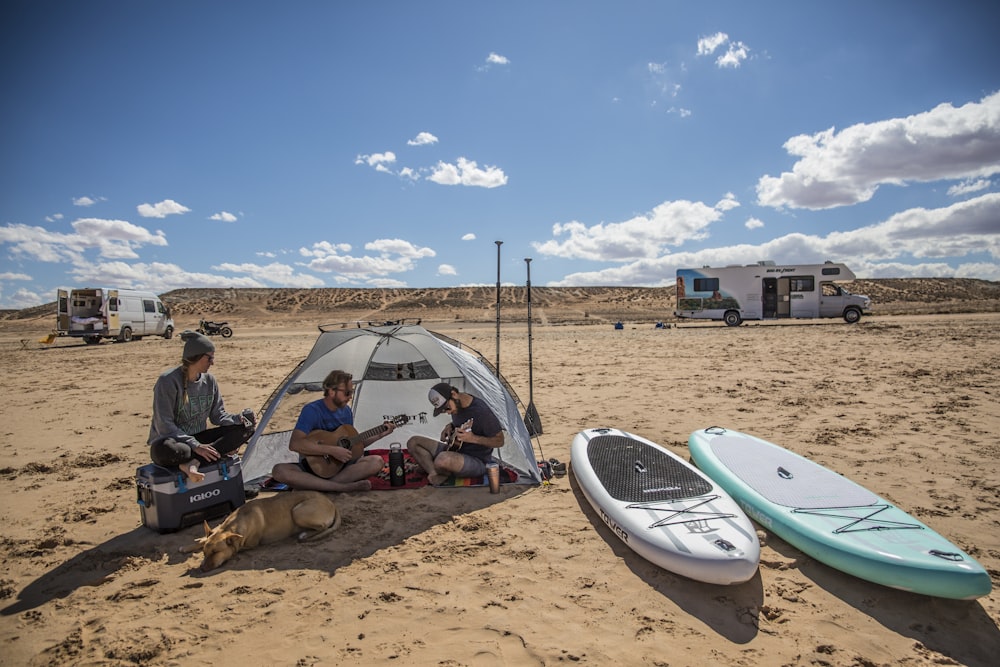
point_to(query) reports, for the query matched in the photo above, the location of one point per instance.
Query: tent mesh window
(414, 370)
(634, 472)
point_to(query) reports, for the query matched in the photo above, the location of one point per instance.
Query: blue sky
(163, 145)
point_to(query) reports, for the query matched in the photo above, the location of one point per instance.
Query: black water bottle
(397, 473)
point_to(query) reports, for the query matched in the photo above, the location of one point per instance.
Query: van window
(160, 308)
(802, 284)
(113, 305)
(148, 306)
(706, 284)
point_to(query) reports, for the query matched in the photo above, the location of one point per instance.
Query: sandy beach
(907, 406)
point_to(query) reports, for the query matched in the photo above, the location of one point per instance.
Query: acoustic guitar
(452, 442)
(324, 465)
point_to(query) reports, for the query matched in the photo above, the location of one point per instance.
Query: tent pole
(531, 419)
(499, 243)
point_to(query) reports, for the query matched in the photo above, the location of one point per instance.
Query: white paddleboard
(663, 508)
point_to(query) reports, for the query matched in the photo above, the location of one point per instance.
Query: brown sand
(906, 406)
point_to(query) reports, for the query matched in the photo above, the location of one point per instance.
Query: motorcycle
(207, 328)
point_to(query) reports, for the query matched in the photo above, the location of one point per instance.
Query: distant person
(319, 428)
(466, 444)
(184, 399)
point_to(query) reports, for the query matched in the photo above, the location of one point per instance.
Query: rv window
(706, 284)
(148, 306)
(802, 284)
(832, 271)
(829, 289)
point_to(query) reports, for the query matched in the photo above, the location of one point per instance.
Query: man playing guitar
(313, 438)
(467, 443)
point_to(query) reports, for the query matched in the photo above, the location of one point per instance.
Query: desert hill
(555, 305)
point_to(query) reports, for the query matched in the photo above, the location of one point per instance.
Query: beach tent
(393, 366)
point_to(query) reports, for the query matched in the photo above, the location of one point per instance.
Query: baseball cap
(439, 395)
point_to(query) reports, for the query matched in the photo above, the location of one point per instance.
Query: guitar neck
(361, 437)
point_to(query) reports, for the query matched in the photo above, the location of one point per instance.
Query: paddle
(531, 419)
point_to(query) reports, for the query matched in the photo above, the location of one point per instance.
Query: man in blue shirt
(317, 438)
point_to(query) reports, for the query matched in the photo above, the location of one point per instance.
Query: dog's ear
(208, 531)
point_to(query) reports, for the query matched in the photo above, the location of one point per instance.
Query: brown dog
(310, 514)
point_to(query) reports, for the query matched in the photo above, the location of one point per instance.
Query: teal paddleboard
(833, 519)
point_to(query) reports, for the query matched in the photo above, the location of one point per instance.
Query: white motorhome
(765, 291)
(122, 314)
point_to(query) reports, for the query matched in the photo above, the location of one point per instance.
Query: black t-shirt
(484, 423)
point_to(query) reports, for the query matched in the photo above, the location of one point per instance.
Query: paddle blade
(532, 421)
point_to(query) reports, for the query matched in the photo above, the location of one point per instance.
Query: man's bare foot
(436, 479)
(191, 470)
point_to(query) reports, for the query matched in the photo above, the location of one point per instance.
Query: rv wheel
(852, 315)
(732, 318)
(125, 335)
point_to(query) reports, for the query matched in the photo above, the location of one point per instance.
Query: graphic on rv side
(123, 314)
(764, 291)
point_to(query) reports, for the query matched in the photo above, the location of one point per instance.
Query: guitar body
(346, 436)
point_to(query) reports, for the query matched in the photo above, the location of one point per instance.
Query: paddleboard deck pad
(835, 520)
(663, 508)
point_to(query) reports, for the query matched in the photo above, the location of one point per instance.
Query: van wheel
(91, 340)
(125, 335)
(226, 332)
(169, 333)
(732, 318)
(852, 315)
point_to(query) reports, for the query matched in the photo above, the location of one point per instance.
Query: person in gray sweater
(184, 399)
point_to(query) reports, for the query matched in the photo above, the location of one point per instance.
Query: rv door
(831, 300)
(114, 319)
(62, 310)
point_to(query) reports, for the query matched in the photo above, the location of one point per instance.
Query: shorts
(304, 466)
(471, 466)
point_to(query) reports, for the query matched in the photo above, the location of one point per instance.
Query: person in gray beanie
(184, 399)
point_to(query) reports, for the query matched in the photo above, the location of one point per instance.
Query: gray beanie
(196, 345)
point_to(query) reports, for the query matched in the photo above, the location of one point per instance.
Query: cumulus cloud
(447, 270)
(497, 59)
(645, 236)
(156, 276)
(847, 167)
(162, 209)
(467, 172)
(882, 250)
(969, 186)
(733, 56)
(224, 216)
(753, 223)
(469, 237)
(378, 161)
(275, 273)
(83, 201)
(114, 239)
(423, 139)
(385, 257)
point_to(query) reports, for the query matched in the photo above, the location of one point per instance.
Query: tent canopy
(393, 367)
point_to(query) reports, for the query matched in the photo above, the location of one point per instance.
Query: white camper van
(764, 291)
(122, 314)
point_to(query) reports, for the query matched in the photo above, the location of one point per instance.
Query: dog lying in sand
(309, 514)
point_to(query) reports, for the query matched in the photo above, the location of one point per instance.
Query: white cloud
(114, 239)
(156, 276)
(224, 216)
(275, 273)
(447, 270)
(23, 298)
(645, 236)
(497, 59)
(847, 167)
(467, 172)
(83, 201)
(7, 275)
(376, 159)
(708, 45)
(969, 186)
(423, 139)
(963, 229)
(390, 256)
(162, 209)
(469, 237)
(753, 223)
(734, 55)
